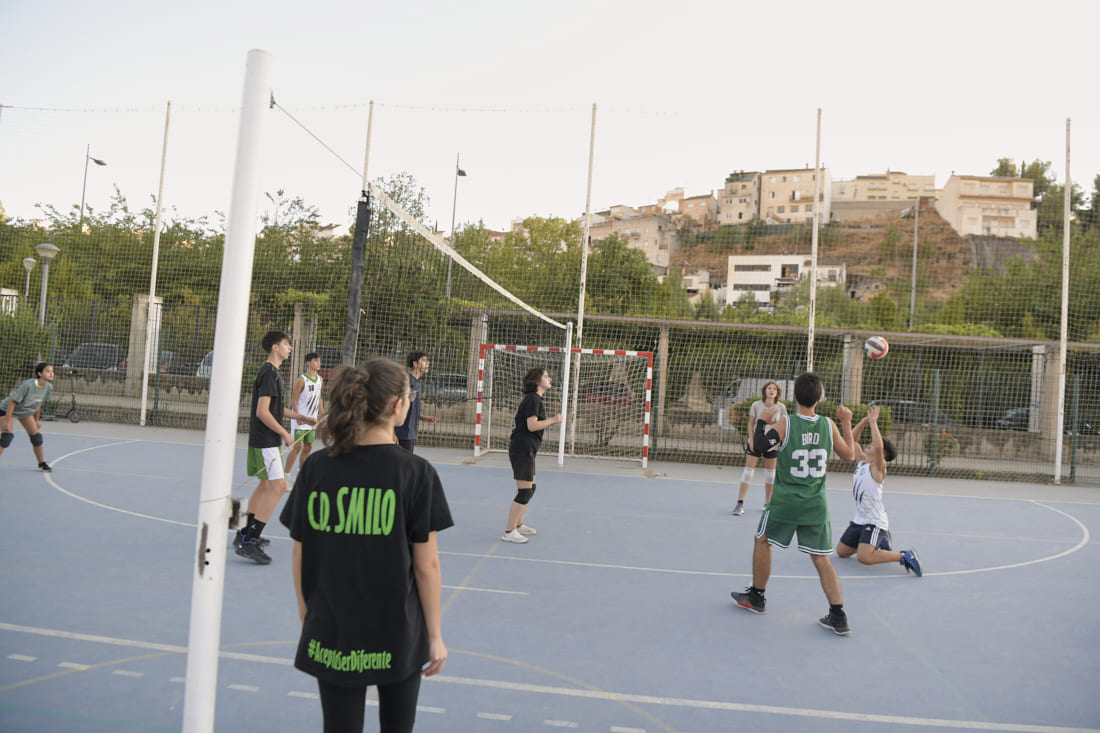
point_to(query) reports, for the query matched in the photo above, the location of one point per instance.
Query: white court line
(605, 695)
(610, 566)
(1085, 539)
(306, 695)
(22, 658)
(243, 688)
(127, 673)
(494, 716)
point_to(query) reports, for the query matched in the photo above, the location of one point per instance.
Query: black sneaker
(836, 623)
(250, 550)
(44, 467)
(238, 540)
(750, 600)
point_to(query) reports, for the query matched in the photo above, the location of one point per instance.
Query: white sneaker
(514, 536)
(524, 529)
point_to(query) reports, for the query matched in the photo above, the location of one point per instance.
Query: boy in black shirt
(266, 435)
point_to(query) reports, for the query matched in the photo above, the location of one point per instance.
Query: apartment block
(739, 200)
(647, 229)
(787, 195)
(992, 205)
(762, 274)
(879, 193)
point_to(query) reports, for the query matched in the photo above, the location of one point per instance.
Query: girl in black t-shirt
(364, 515)
(526, 437)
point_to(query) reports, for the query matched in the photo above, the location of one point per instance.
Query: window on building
(782, 209)
(772, 179)
(740, 214)
(771, 194)
(796, 178)
(784, 179)
(794, 209)
(752, 268)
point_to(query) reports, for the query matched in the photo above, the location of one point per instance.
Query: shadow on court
(615, 617)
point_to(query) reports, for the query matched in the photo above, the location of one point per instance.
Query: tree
(620, 279)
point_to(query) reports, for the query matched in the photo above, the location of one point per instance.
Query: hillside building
(989, 205)
(762, 274)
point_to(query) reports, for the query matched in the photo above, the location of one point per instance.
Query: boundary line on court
(592, 694)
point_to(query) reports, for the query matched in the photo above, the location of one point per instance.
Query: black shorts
(865, 534)
(761, 454)
(523, 462)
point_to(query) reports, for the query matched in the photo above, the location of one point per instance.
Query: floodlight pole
(572, 413)
(83, 189)
(454, 204)
(813, 249)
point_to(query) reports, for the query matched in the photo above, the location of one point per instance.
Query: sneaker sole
(737, 513)
(258, 560)
(833, 629)
(748, 607)
(513, 541)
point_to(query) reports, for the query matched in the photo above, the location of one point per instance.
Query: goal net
(611, 403)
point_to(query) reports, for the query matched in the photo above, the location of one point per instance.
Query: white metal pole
(366, 153)
(813, 249)
(584, 276)
(566, 364)
(913, 276)
(153, 277)
(221, 421)
(1064, 334)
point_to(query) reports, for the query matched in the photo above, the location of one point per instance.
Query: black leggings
(343, 707)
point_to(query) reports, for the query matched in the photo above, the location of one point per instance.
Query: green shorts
(814, 539)
(304, 435)
(265, 464)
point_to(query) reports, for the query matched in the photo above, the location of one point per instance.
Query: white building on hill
(761, 274)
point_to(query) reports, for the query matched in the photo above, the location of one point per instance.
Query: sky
(684, 93)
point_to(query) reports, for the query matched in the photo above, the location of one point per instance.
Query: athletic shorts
(523, 464)
(813, 539)
(761, 454)
(266, 464)
(305, 435)
(865, 534)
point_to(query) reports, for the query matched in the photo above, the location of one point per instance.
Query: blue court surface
(616, 617)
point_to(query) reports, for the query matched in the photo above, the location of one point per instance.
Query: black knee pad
(36, 439)
(524, 495)
(6, 439)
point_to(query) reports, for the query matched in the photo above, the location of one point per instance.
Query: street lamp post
(454, 204)
(83, 189)
(28, 265)
(46, 252)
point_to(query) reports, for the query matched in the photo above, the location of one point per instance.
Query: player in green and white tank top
(798, 496)
(306, 398)
(798, 507)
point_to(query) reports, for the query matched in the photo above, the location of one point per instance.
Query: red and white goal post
(612, 400)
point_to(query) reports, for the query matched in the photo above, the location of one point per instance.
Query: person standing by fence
(25, 405)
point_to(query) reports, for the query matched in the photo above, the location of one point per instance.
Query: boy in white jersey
(868, 534)
(306, 398)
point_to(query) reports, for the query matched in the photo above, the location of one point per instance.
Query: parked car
(443, 388)
(331, 357)
(914, 412)
(1015, 419)
(1019, 418)
(206, 366)
(604, 393)
(601, 404)
(93, 356)
(166, 360)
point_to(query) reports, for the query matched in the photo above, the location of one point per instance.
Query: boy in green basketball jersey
(798, 506)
